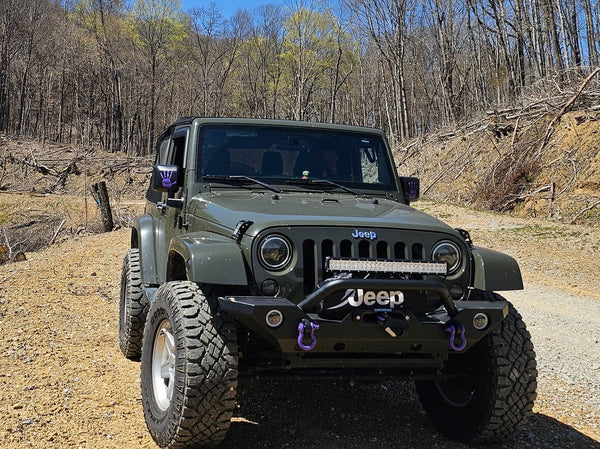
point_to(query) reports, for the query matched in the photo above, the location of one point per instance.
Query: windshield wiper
(241, 178)
(320, 182)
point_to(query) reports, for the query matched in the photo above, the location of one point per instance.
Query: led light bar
(386, 266)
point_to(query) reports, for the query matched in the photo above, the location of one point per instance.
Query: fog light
(269, 287)
(480, 321)
(274, 318)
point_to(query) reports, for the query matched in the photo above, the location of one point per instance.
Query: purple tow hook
(452, 329)
(303, 332)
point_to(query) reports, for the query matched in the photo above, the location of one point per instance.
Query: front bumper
(365, 332)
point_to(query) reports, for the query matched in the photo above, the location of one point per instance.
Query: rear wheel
(189, 368)
(487, 394)
(133, 307)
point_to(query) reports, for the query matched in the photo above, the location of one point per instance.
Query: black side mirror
(164, 177)
(411, 188)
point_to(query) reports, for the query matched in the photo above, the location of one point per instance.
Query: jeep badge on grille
(371, 235)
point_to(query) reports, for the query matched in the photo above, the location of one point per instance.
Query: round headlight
(274, 252)
(447, 252)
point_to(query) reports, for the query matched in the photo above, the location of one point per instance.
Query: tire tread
(134, 305)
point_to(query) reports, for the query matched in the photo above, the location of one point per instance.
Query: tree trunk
(551, 29)
(574, 33)
(101, 195)
(591, 34)
(4, 84)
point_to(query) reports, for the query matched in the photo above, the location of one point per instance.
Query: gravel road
(64, 383)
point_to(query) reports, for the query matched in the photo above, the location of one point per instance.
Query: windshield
(280, 154)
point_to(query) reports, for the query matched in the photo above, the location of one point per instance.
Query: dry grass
(511, 171)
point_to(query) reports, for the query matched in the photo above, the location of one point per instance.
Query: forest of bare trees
(111, 73)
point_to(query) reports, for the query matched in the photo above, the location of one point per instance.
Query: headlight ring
(449, 252)
(275, 252)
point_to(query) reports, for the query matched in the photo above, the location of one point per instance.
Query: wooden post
(101, 195)
(85, 186)
(551, 199)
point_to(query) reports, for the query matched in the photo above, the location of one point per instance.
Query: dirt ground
(65, 384)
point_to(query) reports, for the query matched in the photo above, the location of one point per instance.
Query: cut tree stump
(100, 194)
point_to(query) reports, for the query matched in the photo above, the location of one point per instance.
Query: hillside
(46, 195)
(500, 163)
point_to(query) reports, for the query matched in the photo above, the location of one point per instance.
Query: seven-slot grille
(313, 254)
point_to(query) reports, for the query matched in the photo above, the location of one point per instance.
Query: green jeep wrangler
(289, 248)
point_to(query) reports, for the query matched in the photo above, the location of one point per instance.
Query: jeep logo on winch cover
(381, 298)
(371, 235)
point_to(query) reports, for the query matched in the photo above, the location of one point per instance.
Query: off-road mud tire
(203, 366)
(133, 307)
(500, 376)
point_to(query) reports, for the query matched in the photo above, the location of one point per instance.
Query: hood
(267, 210)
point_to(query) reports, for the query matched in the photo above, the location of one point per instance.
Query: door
(173, 204)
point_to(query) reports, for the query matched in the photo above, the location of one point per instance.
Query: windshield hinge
(241, 229)
(465, 235)
(182, 222)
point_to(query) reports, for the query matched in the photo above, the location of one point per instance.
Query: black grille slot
(346, 248)
(327, 249)
(400, 251)
(382, 250)
(364, 249)
(417, 251)
(310, 267)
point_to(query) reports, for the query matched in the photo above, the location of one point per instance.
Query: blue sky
(227, 7)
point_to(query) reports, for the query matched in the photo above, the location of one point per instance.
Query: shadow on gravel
(334, 413)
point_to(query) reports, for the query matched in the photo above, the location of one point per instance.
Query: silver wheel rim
(163, 365)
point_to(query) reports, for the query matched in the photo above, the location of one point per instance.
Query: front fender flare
(211, 258)
(144, 227)
(495, 271)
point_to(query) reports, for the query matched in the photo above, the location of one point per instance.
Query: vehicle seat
(218, 163)
(307, 161)
(272, 164)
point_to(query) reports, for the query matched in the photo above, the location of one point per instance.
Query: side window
(179, 147)
(178, 152)
(368, 162)
(162, 150)
(162, 153)
(374, 166)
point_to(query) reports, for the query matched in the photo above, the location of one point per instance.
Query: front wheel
(487, 394)
(133, 306)
(189, 368)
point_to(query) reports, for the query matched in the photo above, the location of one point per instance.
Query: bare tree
(208, 32)
(591, 36)
(387, 24)
(259, 67)
(552, 34)
(341, 63)
(11, 40)
(158, 28)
